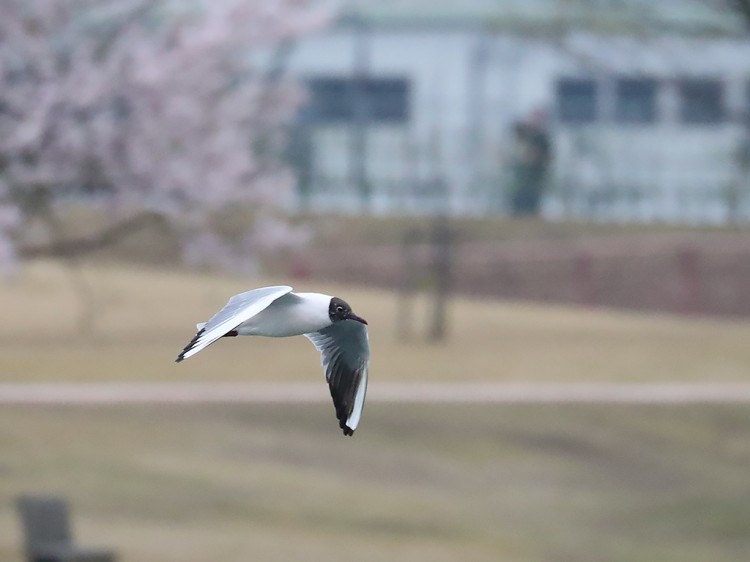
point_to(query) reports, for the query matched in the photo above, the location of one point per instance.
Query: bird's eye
(339, 309)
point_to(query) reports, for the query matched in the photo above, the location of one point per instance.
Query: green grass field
(437, 483)
(416, 483)
(145, 316)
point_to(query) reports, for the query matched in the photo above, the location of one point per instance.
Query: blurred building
(412, 107)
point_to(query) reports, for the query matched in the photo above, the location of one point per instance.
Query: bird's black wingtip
(189, 346)
(348, 431)
(341, 413)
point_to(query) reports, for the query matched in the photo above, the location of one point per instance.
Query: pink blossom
(158, 102)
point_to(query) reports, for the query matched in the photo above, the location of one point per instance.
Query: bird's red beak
(356, 318)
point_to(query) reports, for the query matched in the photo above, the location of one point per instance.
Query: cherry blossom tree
(166, 110)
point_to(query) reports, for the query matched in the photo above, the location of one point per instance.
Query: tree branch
(87, 244)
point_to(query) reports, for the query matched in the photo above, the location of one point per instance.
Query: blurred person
(743, 151)
(530, 162)
(740, 186)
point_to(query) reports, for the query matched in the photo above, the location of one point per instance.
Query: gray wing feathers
(238, 309)
(345, 355)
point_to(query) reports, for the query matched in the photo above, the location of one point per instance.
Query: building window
(635, 100)
(576, 100)
(701, 101)
(338, 100)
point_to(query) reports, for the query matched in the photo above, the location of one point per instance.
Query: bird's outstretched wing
(345, 356)
(239, 309)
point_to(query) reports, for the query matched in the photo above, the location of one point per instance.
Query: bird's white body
(290, 315)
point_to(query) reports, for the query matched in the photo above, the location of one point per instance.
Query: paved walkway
(499, 393)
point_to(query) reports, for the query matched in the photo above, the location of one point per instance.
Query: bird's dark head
(340, 310)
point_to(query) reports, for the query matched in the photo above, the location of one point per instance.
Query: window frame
(714, 117)
(345, 99)
(624, 88)
(570, 113)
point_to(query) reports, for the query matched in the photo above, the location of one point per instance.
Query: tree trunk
(442, 246)
(408, 286)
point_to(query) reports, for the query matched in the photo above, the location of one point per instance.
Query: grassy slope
(390, 230)
(438, 483)
(145, 316)
(160, 244)
(444, 483)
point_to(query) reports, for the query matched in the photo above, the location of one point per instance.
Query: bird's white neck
(316, 306)
(318, 299)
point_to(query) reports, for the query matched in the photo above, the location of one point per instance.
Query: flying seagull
(328, 322)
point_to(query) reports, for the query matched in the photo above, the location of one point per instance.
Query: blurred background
(541, 208)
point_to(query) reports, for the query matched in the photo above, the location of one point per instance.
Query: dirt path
(500, 393)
